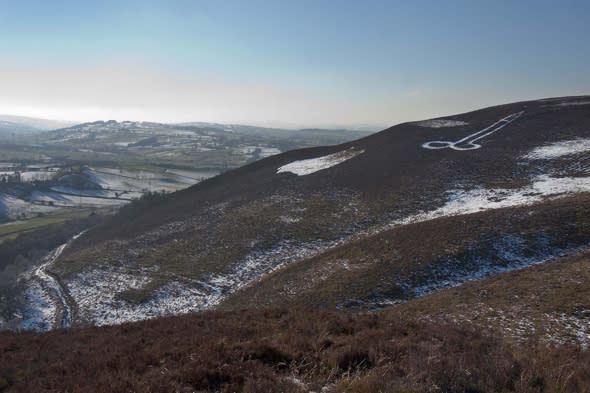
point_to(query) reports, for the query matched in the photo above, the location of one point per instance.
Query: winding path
(54, 288)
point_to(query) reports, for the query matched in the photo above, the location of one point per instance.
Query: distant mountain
(8, 128)
(30, 124)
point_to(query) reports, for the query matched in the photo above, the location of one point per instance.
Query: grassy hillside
(227, 232)
(549, 302)
(282, 350)
(412, 260)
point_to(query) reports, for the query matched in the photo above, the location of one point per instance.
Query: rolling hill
(26, 125)
(474, 197)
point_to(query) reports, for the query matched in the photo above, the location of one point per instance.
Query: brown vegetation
(360, 274)
(550, 302)
(285, 351)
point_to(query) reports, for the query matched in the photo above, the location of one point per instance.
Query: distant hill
(327, 136)
(205, 145)
(8, 128)
(30, 124)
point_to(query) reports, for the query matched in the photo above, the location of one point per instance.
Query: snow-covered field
(104, 187)
(30, 176)
(122, 180)
(263, 151)
(40, 310)
(12, 207)
(312, 165)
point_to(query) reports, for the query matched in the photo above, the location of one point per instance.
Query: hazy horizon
(286, 64)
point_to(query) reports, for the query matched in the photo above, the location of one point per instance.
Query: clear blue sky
(287, 62)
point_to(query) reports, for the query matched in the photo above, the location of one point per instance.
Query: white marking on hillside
(467, 143)
(312, 165)
(441, 123)
(560, 149)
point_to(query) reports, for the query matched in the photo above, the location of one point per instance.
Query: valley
(50, 178)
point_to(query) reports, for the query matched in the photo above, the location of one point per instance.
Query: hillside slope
(417, 259)
(549, 302)
(285, 351)
(192, 249)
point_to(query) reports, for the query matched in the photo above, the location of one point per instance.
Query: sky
(286, 63)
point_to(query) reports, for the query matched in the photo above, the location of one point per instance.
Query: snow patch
(562, 329)
(45, 298)
(441, 123)
(573, 103)
(12, 207)
(480, 199)
(507, 254)
(560, 149)
(312, 165)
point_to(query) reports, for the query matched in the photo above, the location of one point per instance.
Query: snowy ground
(519, 324)
(560, 149)
(507, 254)
(96, 291)
(441, 123)
(312, 165)
(113, 187)
(141, 181)
(47, 306)
(12, 207)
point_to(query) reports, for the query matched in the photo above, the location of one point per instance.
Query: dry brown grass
(277, 350)
(523, 303)
(374, 266)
